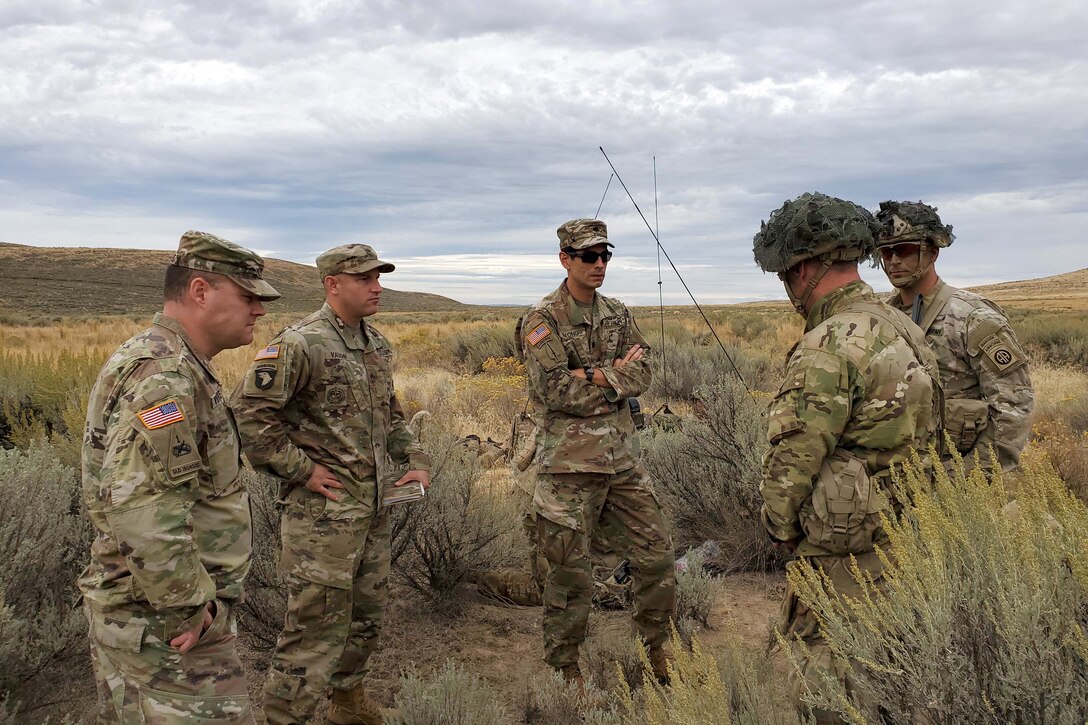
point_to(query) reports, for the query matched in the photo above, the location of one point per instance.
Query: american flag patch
(269, 353)
(536, 336)
(162, 414)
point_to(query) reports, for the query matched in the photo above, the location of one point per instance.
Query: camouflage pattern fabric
(142, 679)
(161, 458)
(988, 393)
(581, 427)
(322, 392)
(853, 388)
(626, 503)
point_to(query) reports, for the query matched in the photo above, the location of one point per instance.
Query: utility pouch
(636, 413)
(965, 419)
(843, 514)
(523, 441)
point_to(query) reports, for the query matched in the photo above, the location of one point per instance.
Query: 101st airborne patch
(264, 376)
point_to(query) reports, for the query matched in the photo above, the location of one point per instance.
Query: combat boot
(659, 664)
(572, 674)
(354, 707)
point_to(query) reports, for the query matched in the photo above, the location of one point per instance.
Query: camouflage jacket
(161, 458)
(987, 388)
(322, 392)
(582, 427)
(854, 384)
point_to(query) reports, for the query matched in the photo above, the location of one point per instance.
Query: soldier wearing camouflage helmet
(859, 393)
(988, 392)
(318, 411)
(585, 357)
(161, 458)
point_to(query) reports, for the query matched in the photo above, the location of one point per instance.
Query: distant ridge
(1058, 293)
(40, 282)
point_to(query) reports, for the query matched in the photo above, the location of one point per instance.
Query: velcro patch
(161, 415)
(269, 353)
(264, 376)
(538, 335)
(1001, 353)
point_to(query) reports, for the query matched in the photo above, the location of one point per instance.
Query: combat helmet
(814, 226)
(911, 221)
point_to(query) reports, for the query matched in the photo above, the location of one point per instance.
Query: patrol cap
(911, 221)
(209, 253)
(583, 234)
(351, 259)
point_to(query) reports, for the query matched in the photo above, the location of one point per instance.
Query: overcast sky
(456, 136)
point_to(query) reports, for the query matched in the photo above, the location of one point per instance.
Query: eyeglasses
(591, 257)
(907, 249)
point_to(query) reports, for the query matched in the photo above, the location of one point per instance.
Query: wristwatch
(589, 372)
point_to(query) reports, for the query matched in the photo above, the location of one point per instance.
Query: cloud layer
(456, 136)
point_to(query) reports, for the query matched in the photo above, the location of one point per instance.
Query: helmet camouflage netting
(814, 225)
(911, 221)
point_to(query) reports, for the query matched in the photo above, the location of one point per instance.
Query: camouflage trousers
(335, 560)
(140, 678)
(569, 509)
(798, 621)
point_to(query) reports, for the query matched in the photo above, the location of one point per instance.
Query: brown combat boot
(659, 664)
(354, 707)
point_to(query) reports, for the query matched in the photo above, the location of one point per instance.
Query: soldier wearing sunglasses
(585, 357)
(984, 371)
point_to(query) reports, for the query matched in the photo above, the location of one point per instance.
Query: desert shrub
(451, 697)
(983, 616)
(473, 347)
(1061, 338)
(423, 348)
(551, 700)
(261, 612)
(1067, 451)
(610, 654)
(696, 592)
(695, 365)
(38, 392)
(44, 540)
(465, 523)
(733, 688)
(707, 473)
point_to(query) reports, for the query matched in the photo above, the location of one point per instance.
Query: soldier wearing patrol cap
(161, 458)
(860, 392)
(317, 411)
(585, 358)
(984, 371)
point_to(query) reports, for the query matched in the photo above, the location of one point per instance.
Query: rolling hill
(1059, 293)
(37, 282)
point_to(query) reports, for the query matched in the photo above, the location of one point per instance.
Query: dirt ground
(501, 644)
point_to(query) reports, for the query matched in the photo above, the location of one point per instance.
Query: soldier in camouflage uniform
(988, 393)
(161, 458)
(859, 393)
(317, 410)
(584, 356)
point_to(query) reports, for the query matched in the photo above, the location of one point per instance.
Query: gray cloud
(439, 131)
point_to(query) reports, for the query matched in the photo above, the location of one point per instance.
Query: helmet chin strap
(918, 273)
(799, 303)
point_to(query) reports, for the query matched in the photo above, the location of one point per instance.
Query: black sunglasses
(590, 257)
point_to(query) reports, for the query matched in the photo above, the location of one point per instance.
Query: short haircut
(178, 279)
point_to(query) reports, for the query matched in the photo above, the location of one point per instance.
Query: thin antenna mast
(678, 275)
(660, 299)
(604, 195)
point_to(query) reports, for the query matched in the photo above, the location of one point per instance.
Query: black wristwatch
(589, 372)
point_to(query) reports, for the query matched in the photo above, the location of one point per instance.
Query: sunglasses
(591, 257)
(902, 251)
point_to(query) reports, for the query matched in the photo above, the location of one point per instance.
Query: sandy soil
(501, 644)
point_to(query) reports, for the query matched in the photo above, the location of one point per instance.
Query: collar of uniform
(575, 312)
(169, 323)
(352, 336)
(896, 301)
(830, 304)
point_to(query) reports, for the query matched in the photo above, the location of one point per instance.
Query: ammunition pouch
(964, 420)
(843, 514)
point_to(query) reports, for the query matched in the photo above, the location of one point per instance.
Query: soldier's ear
(564, 259)
(332, 285)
